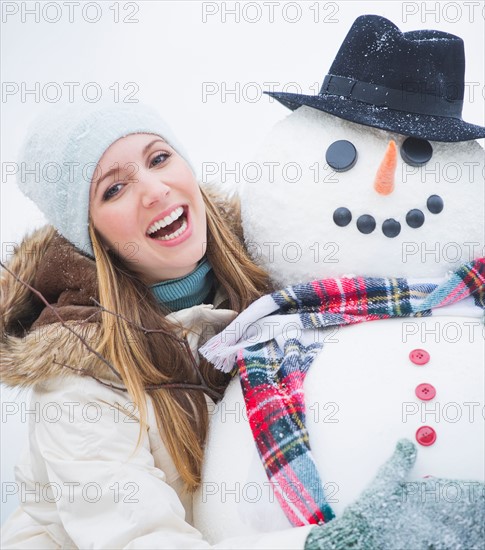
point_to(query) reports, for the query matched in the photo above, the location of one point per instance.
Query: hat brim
(432, 128)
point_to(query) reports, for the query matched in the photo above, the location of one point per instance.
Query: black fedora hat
(410, 83)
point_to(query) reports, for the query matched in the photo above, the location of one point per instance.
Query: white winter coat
(80, 483)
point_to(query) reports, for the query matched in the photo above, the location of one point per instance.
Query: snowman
(389, 185)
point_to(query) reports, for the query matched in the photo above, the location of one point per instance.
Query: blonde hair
(147, 359)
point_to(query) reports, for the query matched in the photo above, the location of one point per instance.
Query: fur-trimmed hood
(34, 345)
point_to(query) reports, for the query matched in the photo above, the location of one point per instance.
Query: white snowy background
(204, 65)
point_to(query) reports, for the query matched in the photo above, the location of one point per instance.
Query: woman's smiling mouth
(171, 228)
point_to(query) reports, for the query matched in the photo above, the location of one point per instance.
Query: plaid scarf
(272, 344)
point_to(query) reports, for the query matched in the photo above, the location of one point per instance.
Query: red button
(425, 392)
(425, 436)
(419, 356)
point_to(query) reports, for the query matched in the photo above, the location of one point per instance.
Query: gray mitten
(455, 510)
(393, 514)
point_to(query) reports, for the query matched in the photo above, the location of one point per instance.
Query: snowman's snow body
(360, 392)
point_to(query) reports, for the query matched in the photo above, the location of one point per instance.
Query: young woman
(103, 311)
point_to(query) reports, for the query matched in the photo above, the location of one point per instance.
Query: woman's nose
(153, 190)
(384, 180)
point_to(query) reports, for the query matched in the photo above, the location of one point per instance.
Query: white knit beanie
(62, 150)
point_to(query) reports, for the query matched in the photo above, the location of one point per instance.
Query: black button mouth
(366, 223)
(391, 228)
(342, 216)
(435, 204)
(415, 218)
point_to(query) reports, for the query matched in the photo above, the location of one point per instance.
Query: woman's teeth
(175, 215)
(179, 231)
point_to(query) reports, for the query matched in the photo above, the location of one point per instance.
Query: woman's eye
(416, 152)
(159, 159)
(111, 191)
(341, 155)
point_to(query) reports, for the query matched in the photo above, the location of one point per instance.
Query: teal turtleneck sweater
(187, 291)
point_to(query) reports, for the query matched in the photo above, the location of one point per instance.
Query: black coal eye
(366, 224)
(415, 218)
(416, 152)
(341, 155)
(435, 204)
(342, 216)
(391, 228)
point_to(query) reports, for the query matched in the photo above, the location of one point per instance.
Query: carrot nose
(384, 182)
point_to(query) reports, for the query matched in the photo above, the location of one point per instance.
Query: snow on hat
(411, 83)
(62, 150)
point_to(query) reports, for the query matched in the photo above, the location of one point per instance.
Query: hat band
(409, 99)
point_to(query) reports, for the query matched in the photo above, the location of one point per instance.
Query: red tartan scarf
(272, 364)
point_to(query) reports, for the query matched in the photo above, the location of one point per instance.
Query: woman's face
(147, 206)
